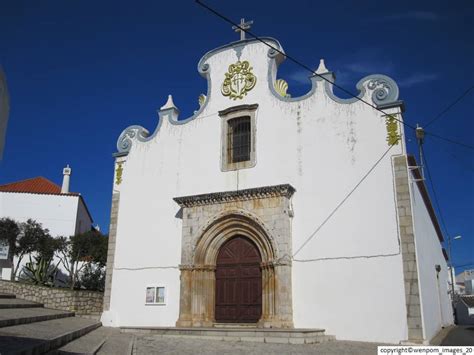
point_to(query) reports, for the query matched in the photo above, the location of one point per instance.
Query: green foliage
(82, 255)
(26, 238)
(9, 232)
(90, 246)
(41, 271)
(92, 278)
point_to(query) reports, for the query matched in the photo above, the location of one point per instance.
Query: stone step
(262, 335)
(16, 316)
(17, 303)
(117, 344)
(87, 344)
(7, 295)
(41, 337)
(101, 341)
(235, 325)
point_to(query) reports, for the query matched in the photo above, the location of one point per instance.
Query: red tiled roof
(37, 185)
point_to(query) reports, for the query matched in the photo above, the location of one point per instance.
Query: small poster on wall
(4, 248)
(150, 295)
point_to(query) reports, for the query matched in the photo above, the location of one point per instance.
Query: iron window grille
(239, 139)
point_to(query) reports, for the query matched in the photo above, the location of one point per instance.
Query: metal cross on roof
(241, 27)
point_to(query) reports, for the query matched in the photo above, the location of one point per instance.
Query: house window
(155, 295)
(238, 137)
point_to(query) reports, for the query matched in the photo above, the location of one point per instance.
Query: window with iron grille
(238, 139)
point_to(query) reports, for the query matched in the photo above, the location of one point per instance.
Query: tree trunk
(15, 269)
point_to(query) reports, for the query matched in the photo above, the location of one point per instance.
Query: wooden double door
(238, 282)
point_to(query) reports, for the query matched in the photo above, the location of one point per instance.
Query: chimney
(66, 176)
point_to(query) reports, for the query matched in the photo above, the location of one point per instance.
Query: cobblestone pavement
(147, 344)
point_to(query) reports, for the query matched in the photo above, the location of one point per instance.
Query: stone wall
(407, 237)
(79, 301)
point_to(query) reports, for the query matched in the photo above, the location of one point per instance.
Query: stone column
(407, 238)
(203, 289)
(268, 296)
(111, 249)
(185, 316)
(283, 299)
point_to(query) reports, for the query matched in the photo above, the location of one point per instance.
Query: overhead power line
(450, 140)
(294, 60)
(304, 66)
(245, 29)
(343, 201)
(435, 195)
(449, 106)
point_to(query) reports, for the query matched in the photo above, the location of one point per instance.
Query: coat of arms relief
(239, 80)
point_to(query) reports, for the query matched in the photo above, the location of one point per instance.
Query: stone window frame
(165, 295)
(227, 115)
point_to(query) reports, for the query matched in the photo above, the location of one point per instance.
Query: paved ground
(460, 335)
(146, 344)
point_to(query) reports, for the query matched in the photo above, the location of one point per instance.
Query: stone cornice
(225, 112)
(284, 190)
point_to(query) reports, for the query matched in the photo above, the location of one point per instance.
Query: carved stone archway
(201, 244)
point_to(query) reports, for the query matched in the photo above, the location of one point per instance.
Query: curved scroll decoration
(125, 140)
(385, 89)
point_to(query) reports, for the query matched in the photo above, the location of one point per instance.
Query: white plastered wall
(436, 309)
(319, 146)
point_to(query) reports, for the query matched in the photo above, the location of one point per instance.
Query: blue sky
(79, 72)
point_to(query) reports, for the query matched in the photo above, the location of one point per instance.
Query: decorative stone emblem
(393, 137)
(118, 173)
(238, 80)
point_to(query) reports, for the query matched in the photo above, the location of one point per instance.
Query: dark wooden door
(238, 282)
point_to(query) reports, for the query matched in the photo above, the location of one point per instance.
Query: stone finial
(322, 68)
(169, 104)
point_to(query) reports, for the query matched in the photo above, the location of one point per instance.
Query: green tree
(22, 238)
(43, 270)
(9, 233)
(81, 251)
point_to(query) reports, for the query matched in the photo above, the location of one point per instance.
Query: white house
(465, 282)
(64, 213)
(251, 211)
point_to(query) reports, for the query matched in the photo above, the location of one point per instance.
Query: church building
(275, 211)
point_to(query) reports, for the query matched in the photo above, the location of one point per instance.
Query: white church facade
(243, 212)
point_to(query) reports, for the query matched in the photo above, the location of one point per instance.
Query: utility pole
(420, 136)
(451, 271)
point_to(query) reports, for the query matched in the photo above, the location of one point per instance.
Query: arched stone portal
(203, 239)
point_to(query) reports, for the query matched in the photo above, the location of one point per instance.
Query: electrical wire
(304, 66)
(449, 140)
(435, 195)
(342, 201)
(449, 107)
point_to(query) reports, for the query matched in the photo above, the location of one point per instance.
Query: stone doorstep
(254, 339)
(284, 336)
